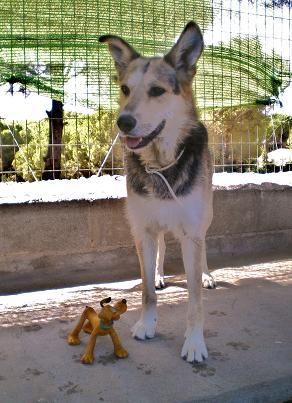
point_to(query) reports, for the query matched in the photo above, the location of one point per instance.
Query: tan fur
(150, 112)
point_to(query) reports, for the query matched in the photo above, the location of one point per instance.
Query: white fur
(194, 348)
(189, 221)
(159, 271)
(150, 217)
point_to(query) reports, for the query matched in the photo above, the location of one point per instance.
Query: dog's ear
(184, 55)
(105, 301)
(121, 52)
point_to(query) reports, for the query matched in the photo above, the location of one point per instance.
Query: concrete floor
(248, 329)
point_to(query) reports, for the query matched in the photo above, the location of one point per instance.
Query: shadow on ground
(248, 329)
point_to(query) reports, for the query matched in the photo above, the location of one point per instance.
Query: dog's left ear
(105, 301)
(121, 52)
(184, 55)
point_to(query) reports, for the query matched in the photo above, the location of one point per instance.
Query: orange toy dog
(99, 324)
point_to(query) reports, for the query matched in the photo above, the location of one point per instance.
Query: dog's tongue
(132, 142)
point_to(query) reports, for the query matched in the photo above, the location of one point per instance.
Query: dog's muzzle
(136, 142)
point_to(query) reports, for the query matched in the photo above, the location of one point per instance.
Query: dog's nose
(126, 123)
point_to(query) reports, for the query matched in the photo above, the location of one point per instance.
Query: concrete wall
(65, 243)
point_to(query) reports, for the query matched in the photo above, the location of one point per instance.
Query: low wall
(77, 242)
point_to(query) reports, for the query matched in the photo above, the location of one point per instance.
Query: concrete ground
(248, 329)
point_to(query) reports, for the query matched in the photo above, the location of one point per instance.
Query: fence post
(52, 169)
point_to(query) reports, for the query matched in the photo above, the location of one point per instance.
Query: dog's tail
(105, 301)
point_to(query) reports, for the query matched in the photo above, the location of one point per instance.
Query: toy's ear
(184, 55)
(105, 301)
(121, 52)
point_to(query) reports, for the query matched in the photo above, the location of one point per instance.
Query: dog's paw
(121, 352)
(73, 340)
(194, 348)
(208, 281)
(87, 358)
(159, 282)
(144, 329)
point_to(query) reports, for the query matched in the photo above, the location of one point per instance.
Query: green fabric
(240, 74)
(45, 44)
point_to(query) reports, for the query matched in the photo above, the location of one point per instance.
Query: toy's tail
(105, 301)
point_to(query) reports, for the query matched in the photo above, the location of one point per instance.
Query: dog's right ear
(121, 52)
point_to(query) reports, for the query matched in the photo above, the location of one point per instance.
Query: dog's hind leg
(208, 281)
(159, 272)
(194, 347)
(87, 327)
(147, 251)
(73, 337)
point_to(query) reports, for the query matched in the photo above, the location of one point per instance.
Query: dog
(169, 172)
(100, 324)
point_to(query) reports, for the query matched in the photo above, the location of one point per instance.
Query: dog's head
(153, 91)
(110, 313)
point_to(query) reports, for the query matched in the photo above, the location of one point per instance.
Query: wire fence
(59, 102)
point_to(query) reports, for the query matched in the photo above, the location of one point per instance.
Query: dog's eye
(156, 91)
(125, 90)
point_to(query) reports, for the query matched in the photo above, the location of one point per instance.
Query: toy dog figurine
(99, 324)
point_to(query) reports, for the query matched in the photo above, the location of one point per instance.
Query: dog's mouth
(135, 142)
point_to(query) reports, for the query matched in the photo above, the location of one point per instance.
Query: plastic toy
(99, 324)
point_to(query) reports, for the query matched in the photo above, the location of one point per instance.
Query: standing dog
(169, 172)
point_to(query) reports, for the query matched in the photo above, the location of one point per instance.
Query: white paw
(159, 282)
(194, 348)
(144, 328)
(208, 281)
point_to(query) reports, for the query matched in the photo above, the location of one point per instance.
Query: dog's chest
(188, 214)
(180, 178)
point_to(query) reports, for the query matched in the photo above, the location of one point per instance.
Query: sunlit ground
(34, 308)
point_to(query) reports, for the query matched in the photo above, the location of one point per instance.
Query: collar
(106, 326)
(158, 173)
(150, 170)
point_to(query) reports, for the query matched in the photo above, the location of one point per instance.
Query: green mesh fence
(51, 48)
(44, 45)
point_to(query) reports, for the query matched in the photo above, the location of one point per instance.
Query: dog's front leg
(194, 347)
(87, 357)
(147, 250)
(119, 350)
